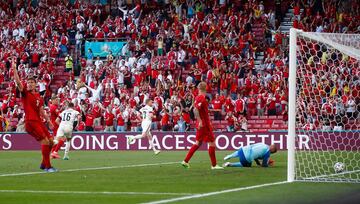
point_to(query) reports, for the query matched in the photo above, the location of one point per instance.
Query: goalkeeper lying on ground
(250, 153)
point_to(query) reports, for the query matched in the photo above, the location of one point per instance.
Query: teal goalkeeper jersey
(257, 151)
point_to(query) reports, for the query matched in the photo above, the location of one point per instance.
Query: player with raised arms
(147, 114)
(66, 121)
(250, 153)
(204, 130)
(34, 113)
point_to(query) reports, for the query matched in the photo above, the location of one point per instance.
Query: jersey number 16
(66, 117)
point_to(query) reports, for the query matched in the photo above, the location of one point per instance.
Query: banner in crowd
(183, 141)
(102, 49)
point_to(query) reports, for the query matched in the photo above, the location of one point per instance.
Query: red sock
(58, 146)
(191, 153)
(212, 155)
(45, 151)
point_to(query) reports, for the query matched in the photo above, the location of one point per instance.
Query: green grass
(170, 178)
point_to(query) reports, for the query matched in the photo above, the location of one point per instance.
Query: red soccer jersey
(239, 105)
(81, 126)
(202, 105)
(32, 103)
(109, 119)
(120, 120)
(230, 121)
(217, 104)
(165, 119)
(54, 113)
(186, 117)
(89, 120)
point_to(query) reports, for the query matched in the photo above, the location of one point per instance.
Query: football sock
(45, 151)
(191, 153)
(58, 146)
(67, 148)
(233, 155)
(212, 155)
(152, 146)
(236, 164)
(139, 136)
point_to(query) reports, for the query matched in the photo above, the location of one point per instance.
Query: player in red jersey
(34, 111)
(54, 114)
(204, 130)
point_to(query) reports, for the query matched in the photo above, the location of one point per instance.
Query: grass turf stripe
(93, 192)
(91, 169)
(215, 193)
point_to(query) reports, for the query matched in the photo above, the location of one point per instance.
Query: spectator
(120, 123)
(217, 107)
(89, 57)
(109, 120)
(165, 120)
(271, 107)
(68, 63)
(231, 119)
(89, 122)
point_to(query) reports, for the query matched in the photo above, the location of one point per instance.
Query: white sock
(139, 136)
(152, 146)
(67, 148)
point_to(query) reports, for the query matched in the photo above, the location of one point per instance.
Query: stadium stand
(239, 48)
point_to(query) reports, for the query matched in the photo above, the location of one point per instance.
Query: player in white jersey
(66, 120)
(147, 114)
(250, 153)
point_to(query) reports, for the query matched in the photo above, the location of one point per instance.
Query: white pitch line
(335, 174)
(92, 192)
(215, 193)
(90, 169)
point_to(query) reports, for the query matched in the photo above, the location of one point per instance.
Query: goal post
(323, 124)
(292, 106)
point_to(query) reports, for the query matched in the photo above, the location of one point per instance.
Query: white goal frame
(291, 134)
(292, 106)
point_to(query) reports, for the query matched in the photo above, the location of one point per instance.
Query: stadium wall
(180, 141)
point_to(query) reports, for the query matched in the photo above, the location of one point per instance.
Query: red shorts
(37, 129)
(205, 135)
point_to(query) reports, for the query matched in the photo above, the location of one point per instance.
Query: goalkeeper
(255, 152)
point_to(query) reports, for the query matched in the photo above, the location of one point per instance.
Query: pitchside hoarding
(183, 141)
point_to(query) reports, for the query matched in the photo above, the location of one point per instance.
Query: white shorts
(64, 131)
(146, 127)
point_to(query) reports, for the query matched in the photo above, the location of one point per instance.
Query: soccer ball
(339, 167)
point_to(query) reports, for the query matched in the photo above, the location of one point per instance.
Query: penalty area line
(92, 192)
(201, 195)
(90, 169)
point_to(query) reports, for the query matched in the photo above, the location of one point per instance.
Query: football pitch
(141, 177)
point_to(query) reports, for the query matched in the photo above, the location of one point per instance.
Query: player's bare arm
(197, 117)
(16, 75)
(57, 121)
(46, 117)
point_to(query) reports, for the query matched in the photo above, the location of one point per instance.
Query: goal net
(324, 104)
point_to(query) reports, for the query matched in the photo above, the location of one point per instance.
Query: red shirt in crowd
(89, 121)
(165, 119)
(120, 120)
(239, 105)
(109, 119)
(217, 104)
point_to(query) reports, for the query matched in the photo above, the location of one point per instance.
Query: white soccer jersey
(68, 117)
(146, 113)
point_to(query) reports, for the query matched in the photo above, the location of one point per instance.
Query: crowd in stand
(170, 49)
